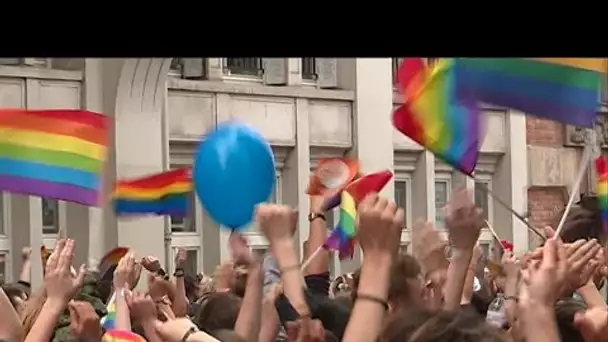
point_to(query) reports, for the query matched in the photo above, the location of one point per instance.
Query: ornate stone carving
(575, 136)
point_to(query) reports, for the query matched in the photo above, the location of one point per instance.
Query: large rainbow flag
(434, 117)
(57, 154)
(560, 89)
(165, 193)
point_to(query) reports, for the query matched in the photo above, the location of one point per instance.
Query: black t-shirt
(333, 315)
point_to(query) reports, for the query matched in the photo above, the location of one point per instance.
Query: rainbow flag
(121, 336)
(360, 187)
(53, 153)
(560, 89)
(165, 193)
(601, 166)
(434, 117)
(109, 261)
(108, 322)
(342, 237)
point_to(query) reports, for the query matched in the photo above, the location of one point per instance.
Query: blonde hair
(32, 310)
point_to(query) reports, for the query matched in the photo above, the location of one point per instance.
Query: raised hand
(224, 276)
(463, 221)
(181, 258)
(428, 246)
(60, 285)
(593, 324)
(379, 225)
(141, 306)
(511, 265)
(84, 321)
(239, 249)
(583, 262)
(542, 281)
(150, 263)
(277, 222)
(125, 271)
(26, 253)
(305, 330)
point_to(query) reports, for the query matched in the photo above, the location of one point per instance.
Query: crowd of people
(548, 294)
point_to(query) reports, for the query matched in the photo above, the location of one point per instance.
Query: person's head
(584, 221)
(191, 287)
(427, 326)
(218, 311)
(240, 281)
(17, 295)
(406, 284)
(565, 310)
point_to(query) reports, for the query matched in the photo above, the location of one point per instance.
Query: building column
(510, 183)
(371, 79)
(423, 187)
(132, 92)
(297, 171)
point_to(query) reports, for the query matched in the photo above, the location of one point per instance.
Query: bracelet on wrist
(371, 298)
(179, 273)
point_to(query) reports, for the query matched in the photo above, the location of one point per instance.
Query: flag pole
(485, 189)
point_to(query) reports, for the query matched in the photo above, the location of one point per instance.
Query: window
(3, 262)
(309, 69)
(176, 67)
(251, 66)
(191, 266)
(401, 198)
(396, 62)
(50, 216)
(259, 251)
(486, 249)
(442, 188)
(275, 197)
(186, 224)
(482, 198)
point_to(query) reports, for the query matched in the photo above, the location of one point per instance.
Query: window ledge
(40, 73)
(257, 88)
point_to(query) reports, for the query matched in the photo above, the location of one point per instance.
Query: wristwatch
(314, 216)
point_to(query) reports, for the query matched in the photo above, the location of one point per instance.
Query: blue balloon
(233, 172)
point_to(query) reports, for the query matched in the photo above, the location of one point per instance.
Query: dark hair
(442, 326)
(190, 283)
(405, 268)
(584, 221)
(565, 309)
(218, 311)
(13, 291)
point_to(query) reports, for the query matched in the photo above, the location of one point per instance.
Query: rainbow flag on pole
(165, 193)
(561, 89)
(342, 237)
(434, 117)
(57, 154)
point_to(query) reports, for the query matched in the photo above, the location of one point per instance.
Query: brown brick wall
(544, 132)
(544, 204)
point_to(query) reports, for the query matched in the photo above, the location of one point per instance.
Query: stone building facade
(308, 108)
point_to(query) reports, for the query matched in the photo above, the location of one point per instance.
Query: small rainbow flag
(165, 193)
(108, 322)
(109, 261)
(434, 117)
(53, 153)
(341, 238)
(561, 89)
(360, 187)
(601, 166)
(121, 336)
